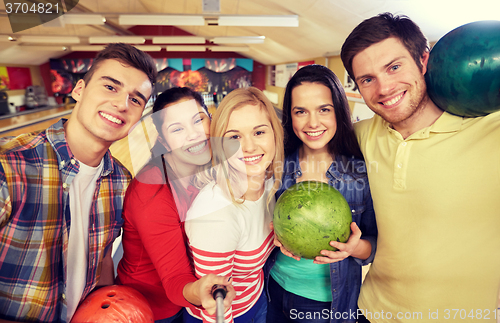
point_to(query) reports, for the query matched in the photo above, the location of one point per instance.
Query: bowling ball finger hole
(111, 294)
(105, 305)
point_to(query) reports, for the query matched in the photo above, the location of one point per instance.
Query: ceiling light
(50, 39)
(147, 48)
(116, 39)
(186, 48)
(178, 40)
(260, 21)
(45, 48)
(186, 20)
(211, 6)
(83, 19)
(229, 49)
(239, 40)
(95, 48)
(161, 20)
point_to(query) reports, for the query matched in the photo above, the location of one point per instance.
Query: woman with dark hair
(320, 145)
(154, 243)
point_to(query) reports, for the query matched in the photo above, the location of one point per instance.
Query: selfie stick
(219, 293)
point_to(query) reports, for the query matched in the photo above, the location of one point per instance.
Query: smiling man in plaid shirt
(61, 193)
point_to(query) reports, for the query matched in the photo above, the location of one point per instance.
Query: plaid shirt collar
(56, 136)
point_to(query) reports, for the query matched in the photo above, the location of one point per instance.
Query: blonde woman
(228, 223)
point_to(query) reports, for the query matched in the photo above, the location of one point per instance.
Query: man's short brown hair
(128, 55)
(379, 28)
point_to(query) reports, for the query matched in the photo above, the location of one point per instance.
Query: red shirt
(154, 260)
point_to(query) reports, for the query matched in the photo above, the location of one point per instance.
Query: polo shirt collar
(446, 123)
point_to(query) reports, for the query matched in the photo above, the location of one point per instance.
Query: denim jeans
(257, 314)
(288, 307)
(177, 318)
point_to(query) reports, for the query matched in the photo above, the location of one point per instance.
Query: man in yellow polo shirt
(435, 182)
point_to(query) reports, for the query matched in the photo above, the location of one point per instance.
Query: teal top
(303, 278)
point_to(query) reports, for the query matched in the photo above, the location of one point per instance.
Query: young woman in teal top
(320, 145)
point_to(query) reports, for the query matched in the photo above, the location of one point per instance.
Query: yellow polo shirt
(437, 200)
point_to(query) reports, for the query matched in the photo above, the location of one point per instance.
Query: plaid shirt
(35, 173)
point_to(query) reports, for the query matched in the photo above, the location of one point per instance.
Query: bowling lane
(36, 120)
(39, 120)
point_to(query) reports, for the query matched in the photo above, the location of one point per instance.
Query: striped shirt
(230, 239)
(36, 171)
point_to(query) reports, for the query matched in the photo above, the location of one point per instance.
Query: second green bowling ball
(463, 72)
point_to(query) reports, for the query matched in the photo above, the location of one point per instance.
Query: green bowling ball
(463, 72)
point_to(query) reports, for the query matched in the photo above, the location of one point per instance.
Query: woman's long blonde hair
(223, 173)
